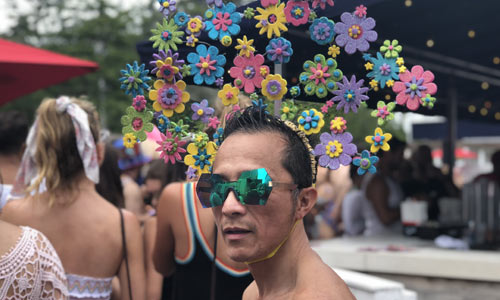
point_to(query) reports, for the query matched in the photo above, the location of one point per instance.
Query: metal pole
(278, 69)
(450, 141)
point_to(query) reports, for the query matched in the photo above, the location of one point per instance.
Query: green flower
(186, 70)
(391, 49)
(179, 129)
(312, 16)
(384, 112)
(166, 35)
(428, 101)
(249, 13)
(254, 96)
(288, 110)
(295, 91)
(201, 139)
(136, 122)
(320, 76)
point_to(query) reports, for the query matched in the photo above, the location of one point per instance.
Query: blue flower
(222, 21)
(135, 79)
(384, 69)
(365, 163)
(218, 136)
(260, 105)
(206, 64)
(181, 19)
(322, 30)
(162, 123)
(202, 159)
(279, 50)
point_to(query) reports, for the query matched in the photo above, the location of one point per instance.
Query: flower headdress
(322, 78)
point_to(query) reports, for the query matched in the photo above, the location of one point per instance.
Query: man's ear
(305, 202)
(101, 151)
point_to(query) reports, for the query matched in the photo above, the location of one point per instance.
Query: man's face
(253, 231)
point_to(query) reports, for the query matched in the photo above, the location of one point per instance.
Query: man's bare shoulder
(251, 292)
(318, 281)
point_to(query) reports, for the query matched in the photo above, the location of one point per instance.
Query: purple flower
(202, 111)
(350, 94)
(335, 149)
(190, 173)
(167, 6)
(162, 56)
(279, 50)
(354, 33)
(219, 82)
(217, 3)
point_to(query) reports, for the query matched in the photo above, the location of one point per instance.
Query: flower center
(274, 87)
(378, 139)
(166, 4)
(249, 72)
(318, 74)
(365, 163)
(229, 95)
(355, 31)
(137, 124)
(131, 79)
(385, 69)
(298, 12)
(334, 149)
(391, 47)
(286, 109)
(349, 94)
(413, 87)
(279, 51)
(200, 112)
(272, 18)
(166, 35)
(168, 98)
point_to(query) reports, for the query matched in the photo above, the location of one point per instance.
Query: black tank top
(193, 273)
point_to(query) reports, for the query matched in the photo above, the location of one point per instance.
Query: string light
(496, 60)
(387, 97)
(408, 3)
(483, 111)
(497, 116)
(472, 109)
(471, 34)
(485, 85)
(487, 104)
(430, 43)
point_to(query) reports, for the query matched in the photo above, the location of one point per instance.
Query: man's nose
(232, 206)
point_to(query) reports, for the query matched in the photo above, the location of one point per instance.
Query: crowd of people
(79, 221)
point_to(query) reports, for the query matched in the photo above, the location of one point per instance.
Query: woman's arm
(377, 192)
(154, 280)
(135, 254)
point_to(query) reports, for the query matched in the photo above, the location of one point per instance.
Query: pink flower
(413, 86)
(329, 103)
(247, 72)
(266, 3)
(213, 122)
(321, 3)
(139, 103)
(297, 12)
(360, 11)
(324, 109)
(170, 147)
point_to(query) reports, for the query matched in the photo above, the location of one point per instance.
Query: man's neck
(277, 276)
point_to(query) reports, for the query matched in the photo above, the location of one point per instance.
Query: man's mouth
(236, 233)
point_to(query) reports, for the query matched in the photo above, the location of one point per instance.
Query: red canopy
(25, 69)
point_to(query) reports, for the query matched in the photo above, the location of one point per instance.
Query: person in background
(110, 185)
(158, 176)
(353, 213)
(495, 174)
(13, 132)
(94, 239)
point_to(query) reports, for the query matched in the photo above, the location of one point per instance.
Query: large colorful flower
(202, 111)
(414, 86)
(167, 7)
(354, 33)
(206, 64)
(166, 35)
(391, 49)
(139, 103)
(274, 87)
(384, 112)
(379, 140)
(279, 50)
(194, 26)
(201, 159)
(322, 30)
(365, 163)
(383, 69)
(321, 3)
(229, 95)
(170, 148)
(169, 97)
(320, 76)
(338, 125)
(297, 12)
(160, 59)
(135, 79)
(288, 110)
(247, 72)
(137, 122)
(222, 21)
(245, 46)
(271, 20)
(350, 94)
(166, 69)
(311, 121)
(335, 149)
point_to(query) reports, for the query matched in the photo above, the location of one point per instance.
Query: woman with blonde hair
(58, 173)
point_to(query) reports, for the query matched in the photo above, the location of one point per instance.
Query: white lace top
(85, 287)
(31, 269)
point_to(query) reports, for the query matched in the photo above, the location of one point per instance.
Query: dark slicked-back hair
(295, 156)
(14, 127)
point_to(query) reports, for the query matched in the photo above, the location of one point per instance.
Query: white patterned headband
(84, 142)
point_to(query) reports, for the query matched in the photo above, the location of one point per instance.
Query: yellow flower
(191, 41)
(374, 83)
(333, 51)
(245, 46)
(173, 69)
(226, 41)
(179, 108)
(400, 61)
(379, 140)
(369, 66)
(271, 20)
(201, 159)
(194, 25)
(311, 121)
(229, 95)
(274, 87)
(389, 83)
(263, 71)
(129, 140)
(402, 69)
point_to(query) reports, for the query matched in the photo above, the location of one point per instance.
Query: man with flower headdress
(265, 229)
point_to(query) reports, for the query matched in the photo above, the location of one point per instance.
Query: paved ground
(446, 289)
